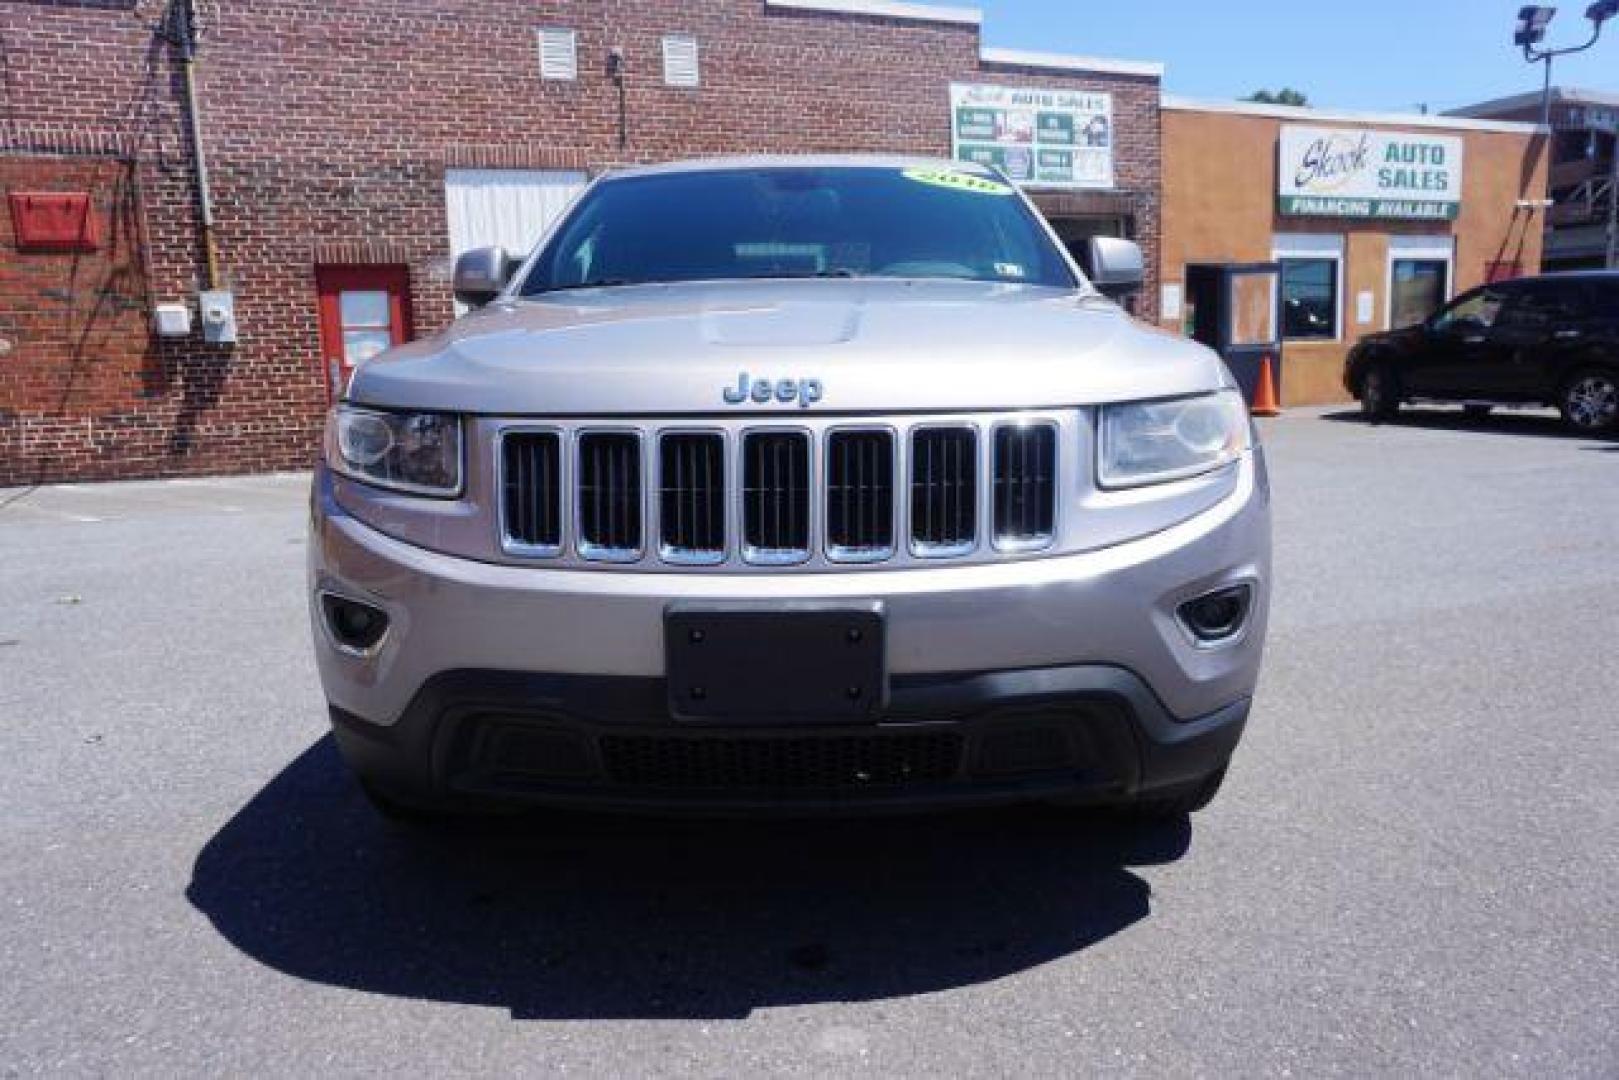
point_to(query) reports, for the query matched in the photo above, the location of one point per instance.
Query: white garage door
(509, 207)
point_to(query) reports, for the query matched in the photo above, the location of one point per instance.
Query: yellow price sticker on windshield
(958, 181)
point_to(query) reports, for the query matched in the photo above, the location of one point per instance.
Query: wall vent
(559, 55)
(680, 60)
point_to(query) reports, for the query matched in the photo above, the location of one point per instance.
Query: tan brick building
(1461, 203)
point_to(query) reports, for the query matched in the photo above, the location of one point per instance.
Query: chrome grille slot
(1025, 485)
(531, 492)
(608, 499)
(776, 496)
(691, 496)
(860, 495)
(944, 490)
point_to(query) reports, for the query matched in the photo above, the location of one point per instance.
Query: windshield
(777, 222)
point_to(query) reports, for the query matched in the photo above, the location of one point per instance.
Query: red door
(363, 310)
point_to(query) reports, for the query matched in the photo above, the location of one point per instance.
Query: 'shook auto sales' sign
(1354, 172)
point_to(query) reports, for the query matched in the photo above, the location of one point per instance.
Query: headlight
(415, 452)
(1150, 442)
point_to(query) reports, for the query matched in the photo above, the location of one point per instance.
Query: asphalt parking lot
(1413, 867)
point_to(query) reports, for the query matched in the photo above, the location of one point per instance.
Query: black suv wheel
(1589, 401)
(1379, 392)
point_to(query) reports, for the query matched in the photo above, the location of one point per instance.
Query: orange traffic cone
(1265, 392)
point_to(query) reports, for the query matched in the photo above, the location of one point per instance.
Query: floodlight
(1532, 20)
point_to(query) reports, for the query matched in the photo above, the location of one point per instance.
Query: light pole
(1527, 35)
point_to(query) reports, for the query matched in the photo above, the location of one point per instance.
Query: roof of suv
(1579, 275)
(801, 161)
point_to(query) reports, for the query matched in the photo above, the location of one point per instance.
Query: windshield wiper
(787, 275)
(593, 283)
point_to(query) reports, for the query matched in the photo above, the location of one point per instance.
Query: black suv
(1548, 340)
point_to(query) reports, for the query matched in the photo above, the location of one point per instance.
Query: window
(1312, 275)
(1419, 277)
(1543, 307)
(1416, 289)
(680, 60)
(793, 221)
(559, 55)
(1309, 299)
(1476, 310)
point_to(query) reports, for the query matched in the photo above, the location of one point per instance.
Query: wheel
(1589, 401)
(1476, 412)
(1379, 393)
(1177, 802)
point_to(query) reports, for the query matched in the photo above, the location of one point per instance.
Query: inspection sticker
(958, 181)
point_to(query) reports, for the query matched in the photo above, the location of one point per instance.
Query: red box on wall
(54, 221)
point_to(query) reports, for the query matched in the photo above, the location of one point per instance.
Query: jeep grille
(691, 496)
(776, 496)
(531, 491)
(860, 495)
(610, 495)
(830, 492)
(1024, 459)
(944, 490)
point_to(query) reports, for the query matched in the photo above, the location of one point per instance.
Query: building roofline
(1305, 114)
(725, 162)
(887, 9)
(971, 16)
(1561, 95)
(1068, 62)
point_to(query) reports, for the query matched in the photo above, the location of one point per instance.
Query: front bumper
(1067, 675)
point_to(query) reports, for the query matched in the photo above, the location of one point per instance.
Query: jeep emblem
(762, 391)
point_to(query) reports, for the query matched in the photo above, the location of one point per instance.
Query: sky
(1389, 55)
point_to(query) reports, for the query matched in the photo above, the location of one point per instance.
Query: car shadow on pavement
(1545, 425)
(565, 916)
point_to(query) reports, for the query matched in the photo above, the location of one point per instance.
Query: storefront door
(363, 310)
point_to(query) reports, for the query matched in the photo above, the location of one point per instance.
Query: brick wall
(327, 129)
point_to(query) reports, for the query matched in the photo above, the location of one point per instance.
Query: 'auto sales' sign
(1046, 136)
(1347, 172)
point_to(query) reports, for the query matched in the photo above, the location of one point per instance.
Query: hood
(842, 346)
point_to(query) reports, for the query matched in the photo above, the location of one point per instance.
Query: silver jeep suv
(792, 484)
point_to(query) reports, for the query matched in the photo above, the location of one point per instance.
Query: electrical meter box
(218, 309)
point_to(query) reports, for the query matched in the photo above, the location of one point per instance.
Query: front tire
(1379, 393)
(1589, 401)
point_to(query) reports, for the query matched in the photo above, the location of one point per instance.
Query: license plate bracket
(792, 662)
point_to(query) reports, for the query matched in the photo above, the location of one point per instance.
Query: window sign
(1046, 138)
(1348, 172)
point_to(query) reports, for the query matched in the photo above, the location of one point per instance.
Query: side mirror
(1115, 266)
(481, 274)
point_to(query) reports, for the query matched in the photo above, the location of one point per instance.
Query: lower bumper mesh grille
(825, 762)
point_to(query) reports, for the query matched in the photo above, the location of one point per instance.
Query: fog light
(1218, 615)
(355, 626)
